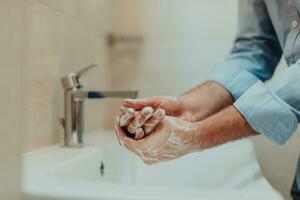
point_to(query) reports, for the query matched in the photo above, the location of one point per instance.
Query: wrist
(197, 138)
(205, 100)
(227, 125)
(187, 113)
(182, 112)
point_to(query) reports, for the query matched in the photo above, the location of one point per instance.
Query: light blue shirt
(267, 30)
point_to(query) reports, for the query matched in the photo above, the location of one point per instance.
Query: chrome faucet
(74, 97)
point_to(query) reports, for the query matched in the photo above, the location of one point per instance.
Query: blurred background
(158, 47)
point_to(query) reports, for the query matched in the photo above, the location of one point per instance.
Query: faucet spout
(74, 97)
(112, 94)
(81, 95)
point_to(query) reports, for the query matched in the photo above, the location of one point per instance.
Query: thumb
(141, 103)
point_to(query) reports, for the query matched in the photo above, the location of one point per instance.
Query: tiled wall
(62, 36)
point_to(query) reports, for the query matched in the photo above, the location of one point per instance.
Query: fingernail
(160, 113)
(130, 110)
(147, 110)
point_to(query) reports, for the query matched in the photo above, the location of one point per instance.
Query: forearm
(206, 100)
(227, 125)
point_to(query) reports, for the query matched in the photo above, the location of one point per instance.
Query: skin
(194, 105)
(139, 119)
(150, 124)
(139, 134)
(225, 126)
(172, 138)
(140, 123)
(201, 118)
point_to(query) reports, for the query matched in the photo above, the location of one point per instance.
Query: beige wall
(62, 36)
(11, 60)
(183, 40)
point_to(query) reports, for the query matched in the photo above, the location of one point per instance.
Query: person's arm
(256, 51)
(197, 104)
(272, 108)
(205, 100)
(254, 57)
(225, 126)
(174, 137)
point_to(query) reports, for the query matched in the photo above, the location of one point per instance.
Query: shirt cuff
(267, 113)
(233, 77)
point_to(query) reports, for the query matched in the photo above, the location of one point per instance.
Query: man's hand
(141, 116)
(172, 105)
(142, 122)
(172, 138)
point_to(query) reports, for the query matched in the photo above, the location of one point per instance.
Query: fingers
(139, 134)
(122, 137)
(141, 103)
(151, 123)
(126, 118)
(118, 130)
(145, 118)
(139, 119)
(123, 110)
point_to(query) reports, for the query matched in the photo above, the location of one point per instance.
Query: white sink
(227, 172)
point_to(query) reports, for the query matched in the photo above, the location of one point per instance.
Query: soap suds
(139, 119)
(127, 117)
(139, 134)
(158, 115)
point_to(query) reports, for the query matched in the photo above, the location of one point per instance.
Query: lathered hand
(172, 138)
(147, 113)
(173, 106)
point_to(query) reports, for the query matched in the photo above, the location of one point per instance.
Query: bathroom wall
(62, 36)
(11, 60)
(183, 41)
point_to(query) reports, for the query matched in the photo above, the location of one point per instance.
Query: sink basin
(226, 172)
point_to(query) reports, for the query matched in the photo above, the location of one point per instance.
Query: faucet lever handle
(85, 70)
(72, 80)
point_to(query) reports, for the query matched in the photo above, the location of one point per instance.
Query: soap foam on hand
(158, 115)
(140, 123)
(139, 134)
(140, 117)
(126, 118)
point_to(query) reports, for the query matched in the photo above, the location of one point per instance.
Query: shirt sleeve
(273, 109)
(256, 51)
